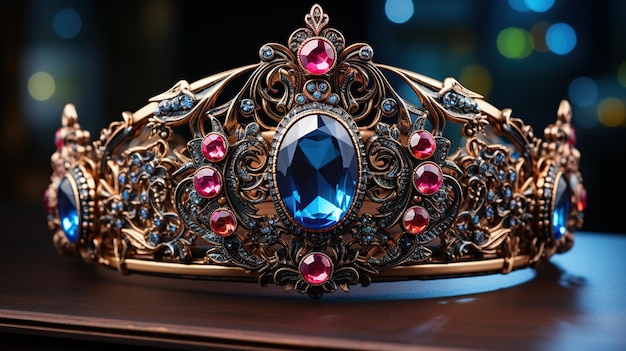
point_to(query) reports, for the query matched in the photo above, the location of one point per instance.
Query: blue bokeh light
(583, 91)
(561, 38)
(519, 5)
(399, 11)
(67, 23)
(539, 5)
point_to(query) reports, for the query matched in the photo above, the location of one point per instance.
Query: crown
(308, 170)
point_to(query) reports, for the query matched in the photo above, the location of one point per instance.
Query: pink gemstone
(571, 137)
(214, 147)
(416, 219)
(316, 268)
(223, 223)
(46, 200)
(58, 139)
(427, 177)
(207, 182)
(422, 144)
(317, 56)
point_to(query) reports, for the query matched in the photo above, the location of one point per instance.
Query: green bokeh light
(621, 74)
(514, 43)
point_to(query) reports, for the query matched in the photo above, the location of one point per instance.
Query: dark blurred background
(107, 57)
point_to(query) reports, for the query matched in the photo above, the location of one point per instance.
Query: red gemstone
(316, 268)
(416, 219)
(46, 200)
(223, 222)
(58, 139)
(207, 182)
(582, 199)
(571, 137)
(214, 147)
(317, 56)
(422, 144)
(427, 178)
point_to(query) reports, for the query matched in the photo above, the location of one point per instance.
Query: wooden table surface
(574, 302)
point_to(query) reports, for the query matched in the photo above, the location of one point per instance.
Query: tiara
(308, 170)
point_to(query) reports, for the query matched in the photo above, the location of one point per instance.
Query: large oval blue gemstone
(68, 213)
(561, 213)
(317, 171)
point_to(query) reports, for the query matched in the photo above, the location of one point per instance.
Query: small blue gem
(117, 206)
(484, 168)
(501, 175)
(154, 239)
(176, 104)
(68, 213)
(450, 99)
(136, 160)
(143, 213)
(508, 193)
(317, 95)
(489, 212)
(246, 106)
(499, 158)
(333, 99)
(366, 53)
(310, 87)
(165, 106)
(322, 87)
(186, 102)
(267, 53)
(476, 219)
(157, 221)
(300, 99)
(479, 237)
(388, 105)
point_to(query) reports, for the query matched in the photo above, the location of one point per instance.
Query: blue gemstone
(561, 213)
(317, 171)
(186, 102)
(68, 213)
(300, 99)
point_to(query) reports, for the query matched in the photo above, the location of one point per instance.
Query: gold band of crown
(315, 174)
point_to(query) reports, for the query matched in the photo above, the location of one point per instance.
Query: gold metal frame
(504, 201)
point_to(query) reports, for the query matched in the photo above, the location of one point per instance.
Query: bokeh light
(561, 38)
(539, 5)
(514, 43)
(583, 91)
(621, 74)
(41, 86)
(399, 11)
(519, 5)
(477, 78)
(612, 112)
(67, 23)
(538, 34)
